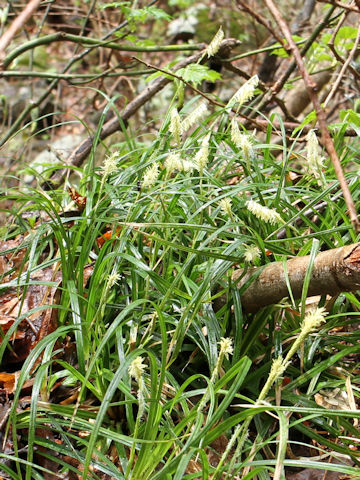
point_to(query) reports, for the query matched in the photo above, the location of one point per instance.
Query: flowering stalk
(174, 162)
(201, 157)
(111, 280)
(310, 323)
(263, 213)
(215, 43)
(225, 205)
(315, 162)
(277, 369)
(242, 140)
(175, 125)
(109, 167)
(151, 175)
(193, 117)
(245, 93)
(226, 349)
(252, 253)
(136, 370)
(110, 164)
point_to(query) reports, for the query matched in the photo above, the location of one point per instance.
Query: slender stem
(94, 42)
(69, 76)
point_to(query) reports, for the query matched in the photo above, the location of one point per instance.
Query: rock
(56, 154)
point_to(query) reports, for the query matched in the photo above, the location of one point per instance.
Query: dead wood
(299, 98)
(336, 270)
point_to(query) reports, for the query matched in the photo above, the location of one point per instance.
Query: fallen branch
(334, 271)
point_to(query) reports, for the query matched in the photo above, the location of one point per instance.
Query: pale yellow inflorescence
(136, 368)
(225, 205)
(175, 124)
(112, 280)
(226, 346)
(201, 157)
(263, 213)
(215, 43)
(252, 253)
(174, 162)
(242, 140)
(151, 175)
(315, 161)
(312, 321)
(110, 164)
(245, 93)
(194, 116)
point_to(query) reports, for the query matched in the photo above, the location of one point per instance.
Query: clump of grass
(159, 375)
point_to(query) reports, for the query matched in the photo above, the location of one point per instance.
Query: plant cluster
(126, 350)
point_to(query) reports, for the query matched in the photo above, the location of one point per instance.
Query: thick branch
(335, 271)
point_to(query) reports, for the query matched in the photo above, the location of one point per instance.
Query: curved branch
(19, 22)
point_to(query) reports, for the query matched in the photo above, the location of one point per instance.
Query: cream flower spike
(193, 117)
(151, 175)
(263, 213)
(245, 92)
(215, 43)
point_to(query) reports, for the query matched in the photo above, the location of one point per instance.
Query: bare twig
(332, 47)
(260, 19)
(188, 84)
(326, 138)
(76, 58)
(278, 85)
(343, 69)
(16, 25)
(351, 8)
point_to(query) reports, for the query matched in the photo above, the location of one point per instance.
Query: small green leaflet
(195, 74)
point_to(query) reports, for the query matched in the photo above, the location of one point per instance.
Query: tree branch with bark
(334, 271)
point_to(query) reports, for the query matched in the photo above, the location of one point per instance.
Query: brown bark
(299, 98)
(334, 271)
(17, 24)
